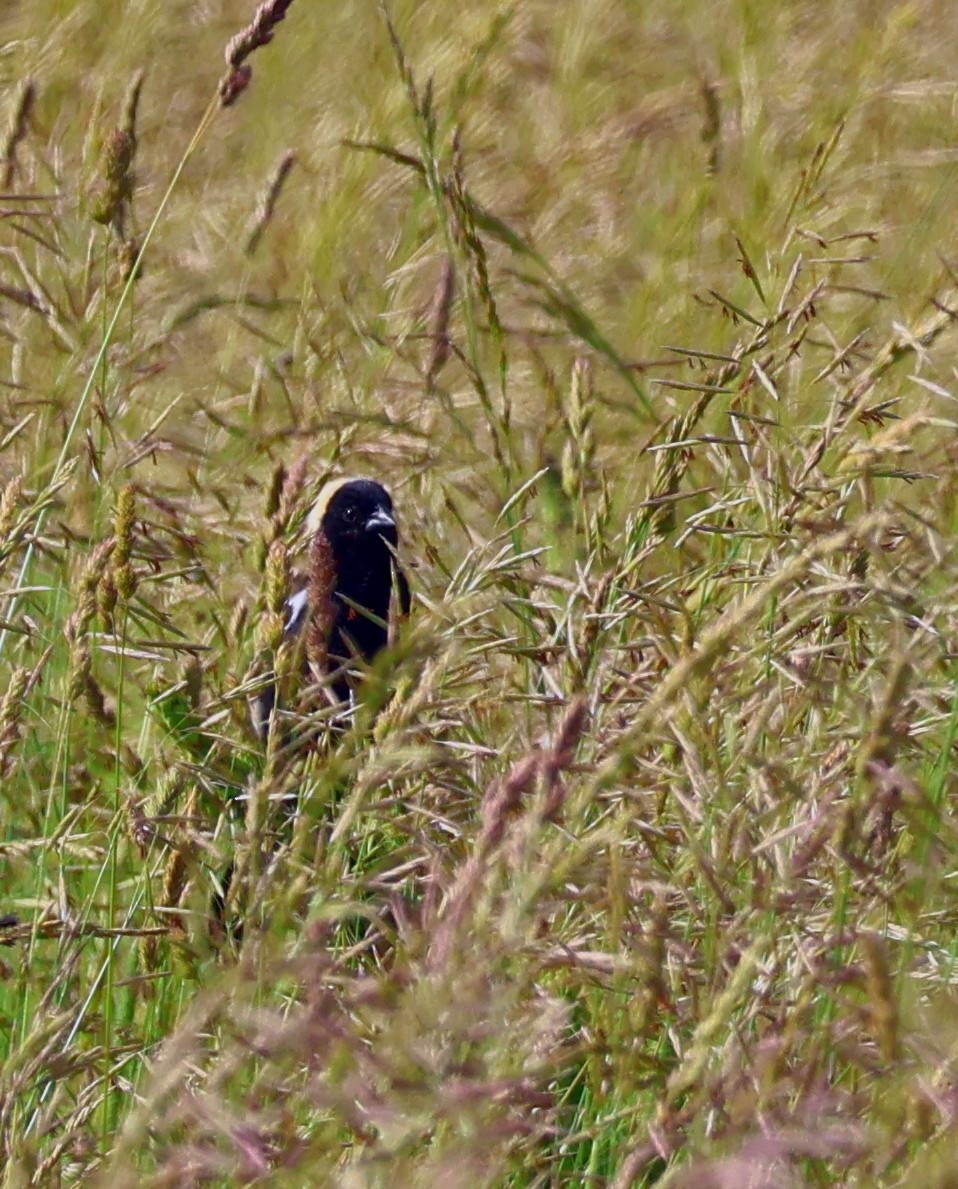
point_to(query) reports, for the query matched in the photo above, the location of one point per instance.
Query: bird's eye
(350, 512)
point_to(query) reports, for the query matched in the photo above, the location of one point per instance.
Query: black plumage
(356, 518)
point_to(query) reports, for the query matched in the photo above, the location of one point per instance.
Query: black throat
(364, 580)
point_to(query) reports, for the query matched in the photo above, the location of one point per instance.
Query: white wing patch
(297, 606)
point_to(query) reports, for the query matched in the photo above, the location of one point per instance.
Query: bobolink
(343, 612)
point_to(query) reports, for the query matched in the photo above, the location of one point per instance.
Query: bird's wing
(297, 608)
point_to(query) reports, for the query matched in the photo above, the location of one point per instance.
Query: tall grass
(636, 864)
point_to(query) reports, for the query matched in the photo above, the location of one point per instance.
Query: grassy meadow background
(639, 863)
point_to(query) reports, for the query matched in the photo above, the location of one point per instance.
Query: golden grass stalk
(123, 524)
(277, 591)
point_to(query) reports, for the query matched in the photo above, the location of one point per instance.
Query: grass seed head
(322, 607)
(277, 578)
(258, 32)
(113, 190)
(266, 207)
(128, 260)
(439, 321)
(292, 488)
(131, 105)
(882, 1003)
(9, 502)
(274, 490)
(11, 714)
(92, 691)
(115, 185)
(107, 597)
(123, 525)
(77, 627)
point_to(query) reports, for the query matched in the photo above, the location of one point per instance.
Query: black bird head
(356, 515)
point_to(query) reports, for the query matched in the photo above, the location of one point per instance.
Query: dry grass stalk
(10, 710)
(182, 854)
(258, 32)
(21, 682)
(267, 203)
(712, 122)
(439, 321)
(131, 104)
(579, 451)
(19, 122)
(78, 624)
(543, 766)
(273, 491)
(701, 1047)
(107, 597)
(292, 488)
(9, 501)
(95, 697)
(882, 1005)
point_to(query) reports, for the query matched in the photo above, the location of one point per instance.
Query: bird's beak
(379, 522)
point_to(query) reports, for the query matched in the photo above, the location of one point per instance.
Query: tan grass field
(638, 865)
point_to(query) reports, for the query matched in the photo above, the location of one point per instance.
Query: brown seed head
(881, 995)
(113, 190)
(439, 321)
(131, 105)
(106, 599)
(277, 479)
(128, 259)
(322, 611)
(293, 486)
(116, 180)
(258, 32)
